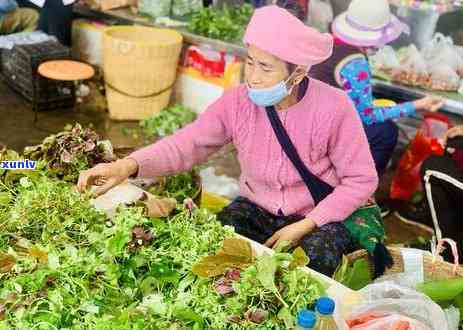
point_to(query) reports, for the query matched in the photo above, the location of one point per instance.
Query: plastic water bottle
(306, 320)
(325, 308)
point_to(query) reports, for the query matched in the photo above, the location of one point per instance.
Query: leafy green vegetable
(441, 290)
(167, 121)
(181, 186)
(300, 259)
(71, 151)
(355, 276)
(65, 265)
(235, 253)
(225, 24)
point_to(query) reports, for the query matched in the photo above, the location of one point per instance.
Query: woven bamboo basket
(433, 271)
(140, 61)
(124, 107)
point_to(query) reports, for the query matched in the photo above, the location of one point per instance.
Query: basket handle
(437, 241)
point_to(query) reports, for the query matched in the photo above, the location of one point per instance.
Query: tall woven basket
(140, 66)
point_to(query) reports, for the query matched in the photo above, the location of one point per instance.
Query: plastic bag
(413, 69)
(453, 317)
(155, 8)
(441, 49)
(184, 7)
(442, 77)
(385, 59)
(220, 185)
(407, 180)
(385, 304)
(320, 14)
(380, 321)
(24, 38)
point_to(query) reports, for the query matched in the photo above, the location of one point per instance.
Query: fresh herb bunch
(71, 151)
(181, 186)
(227, 24)
(63, 264)
(268, 293)
(167, 121)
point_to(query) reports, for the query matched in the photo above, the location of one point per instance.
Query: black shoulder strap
(318, 188)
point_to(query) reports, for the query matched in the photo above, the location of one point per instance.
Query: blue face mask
(266, 97)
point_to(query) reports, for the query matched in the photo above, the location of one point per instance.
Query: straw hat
(368, 23)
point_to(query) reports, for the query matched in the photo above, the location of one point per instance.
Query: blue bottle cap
(325, 306)
(306, 319)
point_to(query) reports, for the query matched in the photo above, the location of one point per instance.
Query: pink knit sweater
(325, 129)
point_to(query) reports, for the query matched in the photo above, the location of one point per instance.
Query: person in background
(277, 102)
(366, 25)
(446, 190)
(55, 17)
(14, 19)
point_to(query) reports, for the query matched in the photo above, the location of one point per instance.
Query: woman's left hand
(292, 233)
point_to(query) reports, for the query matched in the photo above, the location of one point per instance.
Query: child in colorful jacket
(365, 25)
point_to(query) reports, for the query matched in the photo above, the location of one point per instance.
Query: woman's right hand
(106, 176)
(429, 103)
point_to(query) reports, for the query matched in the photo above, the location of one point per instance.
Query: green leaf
(458, 302)
(116, 244)
(442, 290)
(266, 268)
(360, 275)
(300, 259)
(340, 274)
(186, 314)
(283, 246)
(285, 315)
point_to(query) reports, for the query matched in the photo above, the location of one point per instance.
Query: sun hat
(278, 32)
(368, 23)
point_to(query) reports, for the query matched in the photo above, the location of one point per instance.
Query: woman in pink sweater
(321, 122)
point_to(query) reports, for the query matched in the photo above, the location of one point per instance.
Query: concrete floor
(17, 130)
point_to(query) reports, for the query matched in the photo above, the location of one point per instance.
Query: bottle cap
(325, 306)
(306, 319)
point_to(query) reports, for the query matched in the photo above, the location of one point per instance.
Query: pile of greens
(268, 291)
(65, 265)
(71, 151)
(167, 121)
(181, 186)
(227, 24)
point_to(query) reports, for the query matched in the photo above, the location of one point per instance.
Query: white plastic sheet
(23, 38)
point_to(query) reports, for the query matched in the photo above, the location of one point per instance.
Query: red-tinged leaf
(7, 263)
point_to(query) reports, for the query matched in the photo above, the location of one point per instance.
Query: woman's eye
(250, 63)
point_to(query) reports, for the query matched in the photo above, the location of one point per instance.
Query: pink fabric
(324, 127)
(276, 31)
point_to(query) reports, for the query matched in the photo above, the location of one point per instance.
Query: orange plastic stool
(63, 70)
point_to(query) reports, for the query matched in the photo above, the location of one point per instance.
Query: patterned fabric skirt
(324, 246)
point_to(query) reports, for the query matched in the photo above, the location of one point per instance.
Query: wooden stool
(62, 70)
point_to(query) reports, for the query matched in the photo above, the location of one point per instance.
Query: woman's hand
(292, 233)
(429, 103)
(453, 133)
(106, 176)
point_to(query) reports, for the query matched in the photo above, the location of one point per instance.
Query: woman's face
(263, 70)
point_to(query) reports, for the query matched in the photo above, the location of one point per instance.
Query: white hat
(368, 23)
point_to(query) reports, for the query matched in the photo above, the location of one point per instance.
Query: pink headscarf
(276, 31)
